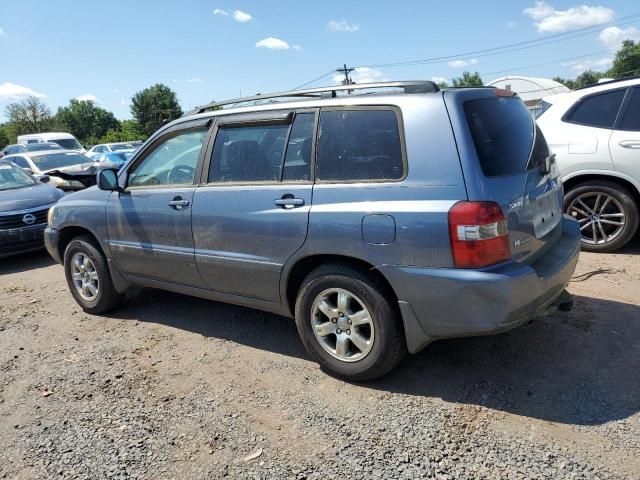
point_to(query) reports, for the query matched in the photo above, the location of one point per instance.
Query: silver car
(381, 217)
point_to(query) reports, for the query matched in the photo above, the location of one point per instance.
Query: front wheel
(607, 214)
(88, 276)
(348, 324)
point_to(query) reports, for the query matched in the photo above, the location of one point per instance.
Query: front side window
(21, 162)
(631, 118)
(598, 111)
(264, 153)
(359, 145)
(172, 162)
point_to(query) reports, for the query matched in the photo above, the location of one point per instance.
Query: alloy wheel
(600, 215)
(85, 276)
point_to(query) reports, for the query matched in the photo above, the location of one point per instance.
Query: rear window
(503, 134)
(359, 145)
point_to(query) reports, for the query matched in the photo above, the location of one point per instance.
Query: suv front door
(252, 212)
(149, 223)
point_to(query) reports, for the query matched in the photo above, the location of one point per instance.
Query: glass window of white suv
(506, 138)
(598, 110)
(51, 161)
(12, 177)
(68, 143)
(172, 162)
(359, 145)
(631, 119)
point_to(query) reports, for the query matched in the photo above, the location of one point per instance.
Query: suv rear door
(624, 143)
(251, 212)
(505, 159)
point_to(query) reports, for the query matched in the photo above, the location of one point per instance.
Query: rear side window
(359, 145)
(598, 111)
(503, 133)
(631, 118)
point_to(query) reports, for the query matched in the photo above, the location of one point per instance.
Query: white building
(530, 89)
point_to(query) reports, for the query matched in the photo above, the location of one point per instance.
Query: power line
(346, 71)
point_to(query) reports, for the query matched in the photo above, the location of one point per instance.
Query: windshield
(58, 160)
(68, 143)
(13, 177)
(122, 146)
(38, 147)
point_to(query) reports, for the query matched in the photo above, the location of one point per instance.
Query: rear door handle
(178, 203)
(289, 202)
(630, 144)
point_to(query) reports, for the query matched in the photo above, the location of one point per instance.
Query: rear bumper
(21, 240)
(51, 241)
(443, 303)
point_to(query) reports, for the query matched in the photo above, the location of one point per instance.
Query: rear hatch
(506, 160)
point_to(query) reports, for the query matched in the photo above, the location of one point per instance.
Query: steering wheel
(180, 174)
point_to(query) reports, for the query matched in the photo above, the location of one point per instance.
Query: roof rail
(609, 82)
(419, 86)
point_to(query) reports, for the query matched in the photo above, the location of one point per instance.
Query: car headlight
(50, 215)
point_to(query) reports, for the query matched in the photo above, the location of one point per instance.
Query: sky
(216, 49)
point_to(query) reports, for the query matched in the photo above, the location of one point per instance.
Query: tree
(30, 115)
(567, 82)
(442, 85)
(86, 121)
(154, 106)
(468, 80)
(127, 132)
(5, 137)
(627, 60)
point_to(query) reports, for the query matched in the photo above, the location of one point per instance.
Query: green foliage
(5, 136)
(154, 106)
(127, 132)
(442, 85)
(86, 121)
(627, 60)
(30, 115)
(468, 79)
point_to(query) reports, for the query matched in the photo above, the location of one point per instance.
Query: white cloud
(439, 79)
(11, 91)
(2, 32)
(342, 26)
(612, 37)
(511, 24)
(240, 16)
(195, 80)
(123, 102)
(297, 47)
(272, 43)
(363, 75)
(547, 19)
(597, 65)
(219, 11)
(462, 63)
(88, 98)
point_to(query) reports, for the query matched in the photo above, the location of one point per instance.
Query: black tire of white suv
(575, 203)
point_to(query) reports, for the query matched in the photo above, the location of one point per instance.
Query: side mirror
(28, 170)
(108, 180)
(44, 178)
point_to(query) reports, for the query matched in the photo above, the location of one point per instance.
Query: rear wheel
(348, 324)
(607, 214)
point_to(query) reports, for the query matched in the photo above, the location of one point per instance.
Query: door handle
(288, 201)
(630, 144)
(178, 203)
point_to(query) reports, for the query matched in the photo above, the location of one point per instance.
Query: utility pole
(346, 71)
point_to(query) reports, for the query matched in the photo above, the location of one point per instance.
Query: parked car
(595, 134)
(31, 147)
(118, 158)
(98, 151)
(381, 222)
(65, 140)
(24, 203)
(67, 169)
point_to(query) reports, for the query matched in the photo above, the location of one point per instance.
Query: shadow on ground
(25, 262)
(576, 368)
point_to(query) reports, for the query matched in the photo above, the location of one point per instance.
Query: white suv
(595, 134)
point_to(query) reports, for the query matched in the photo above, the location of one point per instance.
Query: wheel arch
(572, 181)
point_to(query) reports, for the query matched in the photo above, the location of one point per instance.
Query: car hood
(88, 168)
(28, 197)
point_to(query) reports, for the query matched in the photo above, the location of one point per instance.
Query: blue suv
(380, 216)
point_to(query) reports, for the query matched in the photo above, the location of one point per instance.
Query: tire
(386, 345)
(106, 297)
(622, 199)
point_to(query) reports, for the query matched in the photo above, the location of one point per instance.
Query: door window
(172, 162)
(264, 153)
(598, 110)
(21, 162)
(631, 118)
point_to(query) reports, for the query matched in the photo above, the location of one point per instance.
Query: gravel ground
(174, 387)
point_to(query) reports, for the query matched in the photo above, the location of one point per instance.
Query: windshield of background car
(39, 147)
(51, 161)
(13, 177)
(68, 143)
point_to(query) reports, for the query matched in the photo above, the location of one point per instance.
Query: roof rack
(420, 86)
(609, 82)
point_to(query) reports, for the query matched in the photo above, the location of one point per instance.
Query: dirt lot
(174, 387)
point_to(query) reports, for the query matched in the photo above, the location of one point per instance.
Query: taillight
(479, 234)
